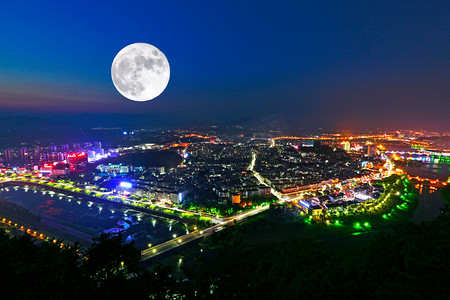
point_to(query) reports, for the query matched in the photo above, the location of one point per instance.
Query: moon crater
(140, 72)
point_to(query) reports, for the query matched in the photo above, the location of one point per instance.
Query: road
(176, 242)
(227, 221)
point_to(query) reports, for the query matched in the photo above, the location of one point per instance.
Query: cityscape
(266, 183)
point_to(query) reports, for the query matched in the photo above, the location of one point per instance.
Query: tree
(445, 195)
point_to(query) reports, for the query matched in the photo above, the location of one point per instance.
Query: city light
(126, 185)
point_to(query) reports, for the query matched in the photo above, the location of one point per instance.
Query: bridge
(427, 181)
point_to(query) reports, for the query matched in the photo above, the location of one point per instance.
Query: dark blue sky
(342, 64)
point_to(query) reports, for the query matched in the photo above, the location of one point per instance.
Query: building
(60, 170)
(46, 169)
(114, 169)
(77, 160)
(367, 164)
(98, 145)
(346, 145)
(176, 197)
(8, 155)
(236, 198)
(23, 153)
(308, 143)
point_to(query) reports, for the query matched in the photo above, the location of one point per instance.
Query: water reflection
(92, 218)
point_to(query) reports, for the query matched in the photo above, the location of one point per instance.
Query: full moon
(140, 72)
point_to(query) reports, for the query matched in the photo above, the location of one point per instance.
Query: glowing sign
(81, 154)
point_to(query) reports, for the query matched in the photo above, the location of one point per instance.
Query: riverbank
(77, 219)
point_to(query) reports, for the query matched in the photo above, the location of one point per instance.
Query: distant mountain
(275, 123)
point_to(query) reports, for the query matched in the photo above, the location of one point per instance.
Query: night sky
(335, 64)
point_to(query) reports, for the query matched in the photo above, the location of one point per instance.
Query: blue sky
(333, 63)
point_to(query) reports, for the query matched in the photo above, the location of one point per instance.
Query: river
(78, 219)
(430, 201)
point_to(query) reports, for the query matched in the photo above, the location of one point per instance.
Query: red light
(82, 154)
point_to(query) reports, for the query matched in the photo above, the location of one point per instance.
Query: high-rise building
(23, 153)
(8, 155)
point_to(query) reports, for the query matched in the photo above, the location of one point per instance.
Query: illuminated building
(236, 198)
(77, 160)
(60, 170)
(308, 143)
(23, 153)
(114, 169)
(346, 146)
(96, 154)
(367, 164)
(46, 169)
(176, 197)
